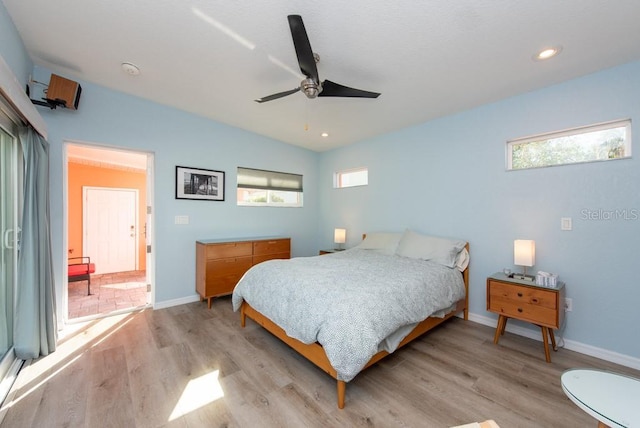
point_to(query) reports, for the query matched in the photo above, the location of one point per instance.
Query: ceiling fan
(311, 86)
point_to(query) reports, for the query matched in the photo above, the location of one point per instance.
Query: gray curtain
(35, 329)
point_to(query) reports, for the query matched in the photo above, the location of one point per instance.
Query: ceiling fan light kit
(311, 86)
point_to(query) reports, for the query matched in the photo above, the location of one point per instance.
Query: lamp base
(522, 277)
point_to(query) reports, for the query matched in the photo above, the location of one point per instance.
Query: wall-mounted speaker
(63, 92)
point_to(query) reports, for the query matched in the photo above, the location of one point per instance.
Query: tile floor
(109, 292)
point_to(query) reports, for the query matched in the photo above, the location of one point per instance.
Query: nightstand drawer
(524, 295)
(533, 313)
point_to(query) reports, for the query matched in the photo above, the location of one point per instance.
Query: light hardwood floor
(137, 370)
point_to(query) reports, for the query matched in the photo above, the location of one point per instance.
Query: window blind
(249, 178)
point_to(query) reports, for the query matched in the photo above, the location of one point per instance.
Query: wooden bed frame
(314, 352)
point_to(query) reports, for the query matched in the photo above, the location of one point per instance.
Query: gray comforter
(349, 302)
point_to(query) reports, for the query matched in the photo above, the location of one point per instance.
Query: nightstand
(333, 250)
(524, 300)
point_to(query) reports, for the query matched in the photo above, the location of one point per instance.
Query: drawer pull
(520, 310)
(534, 300)
(272, 242)
(519, 294)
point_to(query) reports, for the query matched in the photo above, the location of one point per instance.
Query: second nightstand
(526, 301)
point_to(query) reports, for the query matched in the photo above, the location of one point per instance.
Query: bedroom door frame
(63, 299)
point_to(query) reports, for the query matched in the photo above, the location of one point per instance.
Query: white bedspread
(350, 301)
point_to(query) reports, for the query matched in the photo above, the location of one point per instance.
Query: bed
(347, 310)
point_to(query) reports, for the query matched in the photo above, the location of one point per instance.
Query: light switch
(565, 223)
(181, 219)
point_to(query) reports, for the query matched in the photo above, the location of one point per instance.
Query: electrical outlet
(568, 305)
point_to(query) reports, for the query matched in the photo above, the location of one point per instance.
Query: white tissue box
(546, 279)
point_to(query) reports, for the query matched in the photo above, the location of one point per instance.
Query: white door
(110, 228)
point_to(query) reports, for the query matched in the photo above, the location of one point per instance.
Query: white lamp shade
(524, 252)
(340, 236)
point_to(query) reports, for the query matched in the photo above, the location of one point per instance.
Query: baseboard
(603, 354)
(176, 302)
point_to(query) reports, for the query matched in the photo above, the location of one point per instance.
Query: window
(351, 178)
(257, 187)
(601, 142)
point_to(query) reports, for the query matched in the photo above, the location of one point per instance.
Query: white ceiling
(427, 58)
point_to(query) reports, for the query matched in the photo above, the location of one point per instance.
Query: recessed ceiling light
(129, 68)
(547, 53)
(324, 134)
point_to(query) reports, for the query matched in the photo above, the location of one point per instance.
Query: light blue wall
(12, 49)
(177, 138)
(447, 177)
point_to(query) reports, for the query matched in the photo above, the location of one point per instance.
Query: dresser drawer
(271, 246)
(229, 249)
(533, 313)
(265, 257)
(523, 295)
(229, 266)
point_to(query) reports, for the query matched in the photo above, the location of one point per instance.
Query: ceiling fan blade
(303, 48)
(276, 96)
(331, 89)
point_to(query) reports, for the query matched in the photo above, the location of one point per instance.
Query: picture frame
(199, 184)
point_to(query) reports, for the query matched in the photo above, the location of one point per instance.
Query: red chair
(80, 269)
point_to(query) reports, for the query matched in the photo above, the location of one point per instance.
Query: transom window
(257, 187)
(605, 141)
(351, 178)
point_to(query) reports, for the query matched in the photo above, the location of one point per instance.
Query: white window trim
(337, 174)
(567, 132)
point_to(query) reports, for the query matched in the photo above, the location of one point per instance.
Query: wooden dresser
(221, 263)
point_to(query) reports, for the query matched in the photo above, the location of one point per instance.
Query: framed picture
(199, 184)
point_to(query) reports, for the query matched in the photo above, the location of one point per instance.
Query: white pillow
(440, 250)
(462, 261)
(385, 242)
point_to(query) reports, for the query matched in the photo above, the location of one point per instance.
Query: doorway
(108, 194)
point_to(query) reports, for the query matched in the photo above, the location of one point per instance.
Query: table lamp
(524, 254)
(340, 237)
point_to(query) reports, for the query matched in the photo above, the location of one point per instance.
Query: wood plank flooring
(188, 366)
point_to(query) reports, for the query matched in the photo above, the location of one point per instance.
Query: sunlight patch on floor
(198, 393)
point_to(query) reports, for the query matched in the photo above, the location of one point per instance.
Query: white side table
(613, 399)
